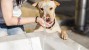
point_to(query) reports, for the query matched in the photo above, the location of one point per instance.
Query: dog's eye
(42, 9)
(51, 8)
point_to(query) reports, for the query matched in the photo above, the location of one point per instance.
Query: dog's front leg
(63, 33)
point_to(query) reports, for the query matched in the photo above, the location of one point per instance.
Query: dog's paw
(64, 35)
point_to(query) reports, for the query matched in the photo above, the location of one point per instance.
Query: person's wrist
(37, 20)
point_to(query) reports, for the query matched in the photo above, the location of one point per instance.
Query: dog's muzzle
(48, 19)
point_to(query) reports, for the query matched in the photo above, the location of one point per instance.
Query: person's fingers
(41, 22)
(45, 24)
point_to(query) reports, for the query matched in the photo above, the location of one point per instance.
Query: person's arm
(7, 10)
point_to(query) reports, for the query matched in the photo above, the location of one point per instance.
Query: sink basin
(38, 41)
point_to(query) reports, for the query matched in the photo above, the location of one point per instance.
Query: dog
(47, 12)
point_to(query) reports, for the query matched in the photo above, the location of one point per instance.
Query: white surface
(36, 44)
(23, 44)
(38, 41)
(16, 45)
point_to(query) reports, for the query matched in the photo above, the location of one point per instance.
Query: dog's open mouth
(48, 19)
(50, 22)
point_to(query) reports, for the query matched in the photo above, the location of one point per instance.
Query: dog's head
(47, 9)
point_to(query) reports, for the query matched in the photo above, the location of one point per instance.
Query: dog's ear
(57, 3)
(35, 4)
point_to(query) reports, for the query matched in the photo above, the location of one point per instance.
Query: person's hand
(42, 22)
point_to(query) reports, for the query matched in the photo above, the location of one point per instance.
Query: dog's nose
(47, 15)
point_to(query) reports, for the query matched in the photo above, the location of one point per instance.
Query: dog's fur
(47, 10)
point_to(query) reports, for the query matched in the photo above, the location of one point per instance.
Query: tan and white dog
(47, 12)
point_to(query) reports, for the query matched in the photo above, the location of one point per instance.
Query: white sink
(38, 41)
